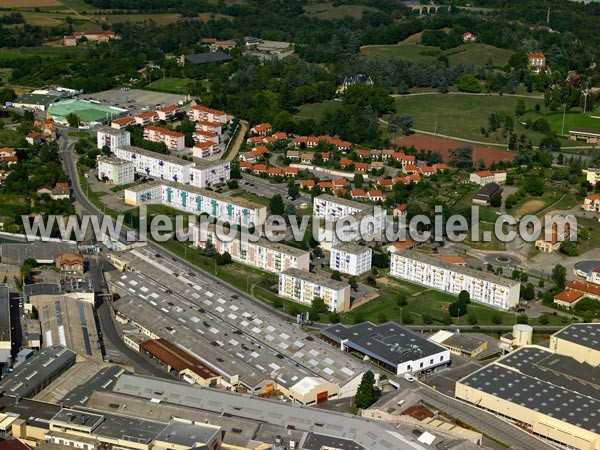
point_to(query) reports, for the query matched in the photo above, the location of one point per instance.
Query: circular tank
(523, 334)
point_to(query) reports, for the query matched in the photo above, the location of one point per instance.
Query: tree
(365, 394)
(318, 306)
(457, 309)
(468, 83)
(336, 275)
(496, 319)
(401, 299)
(520, 109)
(461, 157)
(223, 258)
(28, 265)
(352, 282)
(403, 122)
(472, 318)
(496, 200)
(407, 318)
(559, 276)
(528, 291)
(73, 120)
(543, 319)
(523, 319)
(276, 205)
(427, 319)
(233, 184)
(358, 181)
(293, 189)
(464, 297)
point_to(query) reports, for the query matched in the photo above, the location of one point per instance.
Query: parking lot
(136, 100)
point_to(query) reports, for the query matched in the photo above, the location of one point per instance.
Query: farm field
(161, 19)
(327, 11)
(170, 85)
(475, 54)
(572, 119)
(29, 3)
(463, 115)
(44, 52)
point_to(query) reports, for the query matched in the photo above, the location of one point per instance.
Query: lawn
(572, 119)
(169, 85)
(473, 54)
(315, 110)
(10, 138)
(327, 11)
(44, 52)
(463, 115)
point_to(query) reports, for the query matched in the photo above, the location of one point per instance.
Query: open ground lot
(327, 11)
(471, 54)
(463, 115)
(137, 98)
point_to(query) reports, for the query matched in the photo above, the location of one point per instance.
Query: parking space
(135, 100)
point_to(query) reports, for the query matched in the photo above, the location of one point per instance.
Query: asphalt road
(485, 422)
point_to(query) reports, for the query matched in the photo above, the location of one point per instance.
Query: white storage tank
(523, 334)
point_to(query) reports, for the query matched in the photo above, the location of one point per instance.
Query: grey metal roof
(316, 441)
(37, 99)
(203, 58)
(186, 433)
(38, 414)
(373, 435)
(387, 342)
(4, 313)
(28, 376)
(42, 252)
(104, 380)
(586, 334)
(351, 247)
(537, 379)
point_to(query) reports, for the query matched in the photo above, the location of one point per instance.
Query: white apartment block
(172, 139)
(350, 258)
(371, 219)
(483, 287)
(197, 201)
(208, 173)
(484, 177)
(206, 136)
(152, 164)
(200, 112)
(204, 149)
(213, 127)
(116, 171)
(303, 287)
(112, 138)
(256, 252)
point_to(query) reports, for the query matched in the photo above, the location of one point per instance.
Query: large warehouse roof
(586, 334)
(551, 384)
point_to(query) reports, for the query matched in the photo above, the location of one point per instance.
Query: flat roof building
(303, 287)
(103, 380)
(157, 165)
(33, 375)
(350, 258)
(580, 341)
(483, 287)
(390, 346)
(43, 252)
(112, 138)
(552, 396)
(197, 201)
(461, 344)
(116, 171)
(261, 253)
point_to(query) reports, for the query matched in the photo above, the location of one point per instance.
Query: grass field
(44, 52)
(475, 54)
(160, 19)
(169, 85)
(315, 110)
(29, 3)
(327, 11)
(462, 115)
(572, 119)
(10, 138)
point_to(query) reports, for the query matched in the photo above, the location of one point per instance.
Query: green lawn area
(474, 54)
(463, 115)
(44, 52)
(160, 19)
(572, 119)
(169, 85)
(326, 11)
(10, 138)
(315, 110)
(78, 5)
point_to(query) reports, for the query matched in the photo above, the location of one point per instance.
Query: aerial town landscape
(299, 224)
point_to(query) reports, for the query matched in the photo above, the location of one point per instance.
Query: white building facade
(197, 201)
(483, 287)
(112, 138)
(116, 171)
(209, 173)
(350, 258)
(260, 253)
(163, 167)
(303, 287)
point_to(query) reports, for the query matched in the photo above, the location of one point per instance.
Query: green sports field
(87, 112)
(572, 119)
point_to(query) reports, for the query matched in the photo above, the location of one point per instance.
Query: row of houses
(576, 291)
(264, 169)
(372, 155)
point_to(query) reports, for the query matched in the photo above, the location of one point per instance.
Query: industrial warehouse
(551, 392)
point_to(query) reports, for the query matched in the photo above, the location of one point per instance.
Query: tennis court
(87, 111)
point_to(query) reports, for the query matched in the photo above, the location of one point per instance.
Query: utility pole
(564, 114)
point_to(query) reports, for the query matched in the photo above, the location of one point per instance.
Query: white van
(409, 377)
